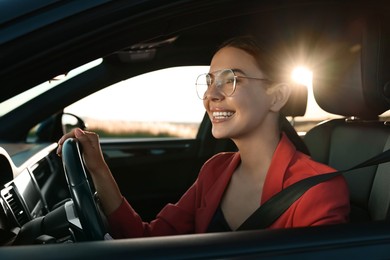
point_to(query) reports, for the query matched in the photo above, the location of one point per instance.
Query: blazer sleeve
(173, 219)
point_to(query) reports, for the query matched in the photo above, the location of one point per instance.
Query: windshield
(18, 100)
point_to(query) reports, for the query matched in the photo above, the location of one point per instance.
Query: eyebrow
(233, 69)
(239, 71)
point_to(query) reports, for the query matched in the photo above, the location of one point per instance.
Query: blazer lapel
(281, 159)
(213, 196)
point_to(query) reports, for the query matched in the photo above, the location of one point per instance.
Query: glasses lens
(227, 82)
(202, 84)
(224, 81)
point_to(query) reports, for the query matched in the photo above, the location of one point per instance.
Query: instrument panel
(27, 189)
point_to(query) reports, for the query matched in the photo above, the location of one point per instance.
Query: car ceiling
(119, 29)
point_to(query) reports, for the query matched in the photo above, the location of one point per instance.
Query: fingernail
(78, 132)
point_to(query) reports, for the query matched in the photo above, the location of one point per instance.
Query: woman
(243, 94)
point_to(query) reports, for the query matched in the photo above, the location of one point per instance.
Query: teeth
(222, 115)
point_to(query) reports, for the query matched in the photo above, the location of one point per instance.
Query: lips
(220, 115)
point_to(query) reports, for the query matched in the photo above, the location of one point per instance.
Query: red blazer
(326, 203)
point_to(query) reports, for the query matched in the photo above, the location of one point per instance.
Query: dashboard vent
(16, 206)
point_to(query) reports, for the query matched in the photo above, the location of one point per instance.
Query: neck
(257, 152)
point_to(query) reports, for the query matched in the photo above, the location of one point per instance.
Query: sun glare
(303, 76)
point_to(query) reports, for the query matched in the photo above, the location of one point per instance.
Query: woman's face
(245, 111)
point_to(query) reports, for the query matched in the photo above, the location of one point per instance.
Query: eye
(227, 77)
(238, 79)
(209, 80)
(229, 80)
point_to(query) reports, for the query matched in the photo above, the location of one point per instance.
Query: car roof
(34, 51)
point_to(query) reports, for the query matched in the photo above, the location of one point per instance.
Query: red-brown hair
(265, 57)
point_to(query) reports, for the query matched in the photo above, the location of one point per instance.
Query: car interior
(348, 50)
(357, 91)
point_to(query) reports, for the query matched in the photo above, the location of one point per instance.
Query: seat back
(353, 82)
(343, 144)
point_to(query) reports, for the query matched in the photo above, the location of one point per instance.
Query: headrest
(351, 76)
(297, 102)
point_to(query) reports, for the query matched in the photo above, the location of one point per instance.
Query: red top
(323, 204)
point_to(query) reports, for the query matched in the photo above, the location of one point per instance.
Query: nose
(214, 93)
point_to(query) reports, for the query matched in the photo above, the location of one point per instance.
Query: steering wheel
(83, 200)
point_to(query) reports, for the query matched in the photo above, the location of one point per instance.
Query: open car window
(119, 112)
(136, 108)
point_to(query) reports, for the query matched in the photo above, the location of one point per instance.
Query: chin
(219, 135)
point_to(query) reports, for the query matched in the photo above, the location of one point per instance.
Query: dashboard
(32, 183)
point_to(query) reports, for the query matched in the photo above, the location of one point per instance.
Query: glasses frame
(235, 77)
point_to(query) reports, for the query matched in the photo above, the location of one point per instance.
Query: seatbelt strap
(273, 208)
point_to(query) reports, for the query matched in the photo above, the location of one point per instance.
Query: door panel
(152, 173)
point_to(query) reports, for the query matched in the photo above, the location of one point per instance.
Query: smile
(222, 115)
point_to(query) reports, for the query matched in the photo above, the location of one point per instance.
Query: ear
(280, 94)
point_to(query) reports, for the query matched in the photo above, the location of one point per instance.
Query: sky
(144, 98)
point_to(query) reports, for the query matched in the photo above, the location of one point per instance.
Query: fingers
(62, 140)
(89, 141)
(84, 137)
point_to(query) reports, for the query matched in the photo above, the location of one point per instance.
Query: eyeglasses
(224, 80)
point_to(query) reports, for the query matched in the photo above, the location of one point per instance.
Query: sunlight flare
(302, 75)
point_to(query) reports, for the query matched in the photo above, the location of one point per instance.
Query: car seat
(353, 81)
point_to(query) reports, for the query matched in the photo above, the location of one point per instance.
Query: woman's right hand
(92, 153)
(107, 188)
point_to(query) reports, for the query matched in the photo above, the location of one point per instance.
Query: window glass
(157, 104)
(29, 94)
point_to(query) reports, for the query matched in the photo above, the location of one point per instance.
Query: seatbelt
(273, 208)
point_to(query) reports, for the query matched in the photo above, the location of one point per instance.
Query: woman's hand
(103, 180)
(92, 153)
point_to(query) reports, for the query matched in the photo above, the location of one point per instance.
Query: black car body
(347, 44)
